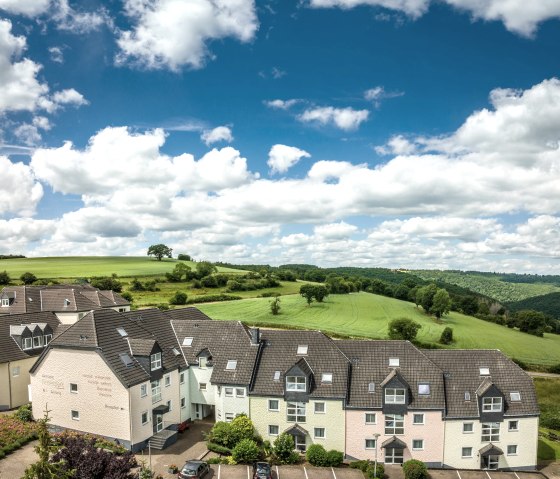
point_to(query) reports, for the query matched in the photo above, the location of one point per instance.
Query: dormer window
(155, 361)
(395, 396)
(231, 365)
(27, 343)
(187, 342)
(484, 371)
(515, 396)
(394, 362)
(37, 341)
(202, 362)
(5, 302)
(326, 378)
(295, 383)
(302, 349)
(492, 404)
(48, 338)
(66, 302)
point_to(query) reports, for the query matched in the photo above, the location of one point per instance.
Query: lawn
(368, 315)
(548, 394)
(69, 267)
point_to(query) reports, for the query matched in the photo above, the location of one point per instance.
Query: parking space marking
(277, 473)
(248, 476)
(516, 474)
(305, 470)
(334, 475)
(488, 474)
(456, 471)
(219, 470)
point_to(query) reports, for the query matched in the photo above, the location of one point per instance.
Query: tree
(307, 292)
(532, 322)
(403, 328)
(446, 336)
(107, 283)
(159, 251)
(184, 257)
(320, 292)
(28, 278)
(246, 451)
(242, 428)
(425, 297)
(414, 469)
(441, 303)
(275, 306)
(179, 271)
(283, 449)
(205, 268)
(179, 298)
(4, 278)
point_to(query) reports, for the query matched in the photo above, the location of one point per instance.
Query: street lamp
(376, 437)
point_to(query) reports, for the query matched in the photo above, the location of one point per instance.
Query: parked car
(262, 470)
(193, 470)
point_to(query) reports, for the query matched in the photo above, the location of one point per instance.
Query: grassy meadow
(548, 394)
(368, 315)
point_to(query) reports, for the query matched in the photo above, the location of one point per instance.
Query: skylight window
(277, 375)
(125, 358)
(231, 364)
(302, 349)
(484, 371)
(424, 389)
(66, 302)
(467, 396)
(394, 362)
(122, 332)
(175, 351)
(515, 396)
(371, 388)
(326, 378)
(187, 341)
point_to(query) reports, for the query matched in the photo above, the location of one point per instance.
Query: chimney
(255, 335)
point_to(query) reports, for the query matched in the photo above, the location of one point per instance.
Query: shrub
(316, 455)
(4, 278)
(379, 471)
(107, 283)
(246, 451)
(275, 306)
(28, 278)
(209, 282)
(446, 336)
(126, 295)
(241, 428)
(403, 328)
(162, 307)
(212, 446)
(183, 257)
(284, 449)
(178, 298)
(211, 298)
(24, 413)
(136, 285)
(221, 434)
(361, 465)
(554, 369)
(214, 460)
(334, 458)
(414, 469)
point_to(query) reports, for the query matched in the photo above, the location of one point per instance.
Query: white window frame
(371, 388)
(515, 396)
(371, 442)
(143, 390)
(471, 424)
(187, 342)
(394, 362)
(16, 371)
(294, 383)
(490, 432)
(484, 371)
(231, 365)
(394, 424)
(155, 361)
(202, 387)
(37, 342)
(75, 415)
(182, 378)
(167, 380)
(324, 411)
(147, 418)
(514, 453)
(296, 412)
(513, 429)
(492, 404)
(27, 343)
(418, 414)
(239, 394)
(270, 433)
(229, 416)
(370, 414)
(228, 392)
(316, 436)
(183, 402)
(326, 378)
(421, 448)
(47, 338)
(424, 389)
(394, 455)
(466, 448)
(5, 302)
(73, 388)
(270, 401)
(155, 387)
(395, 396)
(302, 349)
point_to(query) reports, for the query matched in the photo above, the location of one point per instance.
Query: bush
(414, 469)
(275, 306)
(316, 455)
(214, 460)
(361, 465)
(246, 451)
(183, 257)
(403, 328)
(28, 278)
(24, 413)
(523, 365)
(241, 428)
(211, 298)
(283, 449)
(4, 278)
(126, 295)
(379, 471)
(178, 298)
(162, 307)
(334, 458)
(446, 336)
(555, 369)
(212, 446)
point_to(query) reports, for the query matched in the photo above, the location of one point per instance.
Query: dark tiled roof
(462, 373)
(61, 300)
(225, 340)
(370, 364)
(141, 347)
(280, 354)
(9, 349)
(187, 313)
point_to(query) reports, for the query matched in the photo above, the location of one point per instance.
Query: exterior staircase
(163, 439)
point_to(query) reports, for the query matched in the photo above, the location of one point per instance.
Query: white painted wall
(237, 403)
(206, 397)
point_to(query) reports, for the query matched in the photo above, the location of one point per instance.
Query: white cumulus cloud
(343, 118)
(220, 133)
(19, 191)
(282, 157)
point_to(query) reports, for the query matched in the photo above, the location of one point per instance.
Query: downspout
(9, 385)
(130, 418)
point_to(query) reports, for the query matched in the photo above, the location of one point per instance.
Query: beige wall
(67, 318)
(4, 386)
(236, 404)
(525, 438)
(102, 401)
(333, 420)
(14, 382)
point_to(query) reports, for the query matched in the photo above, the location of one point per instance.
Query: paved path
(535, 374)
(13, 465)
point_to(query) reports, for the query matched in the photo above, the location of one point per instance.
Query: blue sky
(396, 133)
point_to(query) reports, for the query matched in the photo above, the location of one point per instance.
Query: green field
(368, 315)
(68, 267)
(548, 394)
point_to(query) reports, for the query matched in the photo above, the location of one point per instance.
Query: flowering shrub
(15, 433)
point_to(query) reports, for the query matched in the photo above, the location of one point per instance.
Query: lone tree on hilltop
(159, 251)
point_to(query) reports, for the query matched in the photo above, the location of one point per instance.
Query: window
(37, 341)
(418, 419)
(273, 430)
(302, 349)
(73, 388)
(202, 362)
(394, 362)
(231, 364)
(183, 403)
(417, 444)
(394, 456)
(320, 408)
(512, 450)
(466, 452)
(155, 361)
(47, 338)
(27, 343)
(371, 388)
(513, 426)
(202, 386)
(296, 412)
(394, 424)
(15, 371)
(395, 396)
(75, 415)
(468, 427)
(229, 416)
(319, 433)
(490, 431)
(424, 389)
(187, 342)
(167, 380)
(182, 378)
(144, 418)
(273, 404)
(515, 396)
(295, 383)
(370, 443)
(467, 396)
(156, 391)
(239, 392)
(326, 378)
(276, 375)
(484, 371)
(228, 392)
(122, 332)
(5, 302)
(371, 418)
(491, 404)
(169, 405)
(143, 390)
